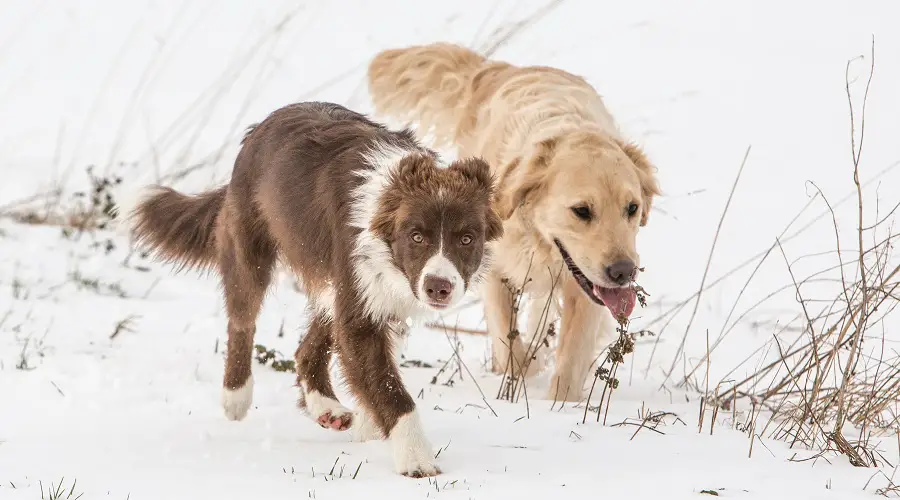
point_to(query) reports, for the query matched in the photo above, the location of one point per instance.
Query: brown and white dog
(377, 228)
(571, 190)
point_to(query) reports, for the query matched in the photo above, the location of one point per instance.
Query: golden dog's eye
(582, 212)
(466, 240)
(417, 237)
(632, 209)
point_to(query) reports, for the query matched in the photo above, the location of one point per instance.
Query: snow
(145, 89)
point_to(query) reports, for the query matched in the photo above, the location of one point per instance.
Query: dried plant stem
(825, 381)
(465, 367)
(712, 249)
(863, 315)
(667, 316)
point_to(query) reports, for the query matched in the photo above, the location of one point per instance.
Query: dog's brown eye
(632, 209)
(466, 240)
(417, 237)
(582, 212)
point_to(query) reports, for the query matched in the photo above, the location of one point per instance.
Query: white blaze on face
(440, 267)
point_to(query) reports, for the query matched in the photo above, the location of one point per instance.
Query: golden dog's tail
(426, 84)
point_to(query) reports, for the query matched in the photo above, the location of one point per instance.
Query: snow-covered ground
(110, 373)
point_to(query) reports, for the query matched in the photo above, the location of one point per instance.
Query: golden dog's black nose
(621, 272)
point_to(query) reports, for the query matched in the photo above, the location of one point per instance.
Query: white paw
(329, 413)
(412, 451)
(237, 402)
(364, 428)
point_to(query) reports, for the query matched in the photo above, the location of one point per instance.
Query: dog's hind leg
(246, 260)
(314, 379)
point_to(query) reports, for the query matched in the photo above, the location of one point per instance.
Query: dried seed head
(551, 330)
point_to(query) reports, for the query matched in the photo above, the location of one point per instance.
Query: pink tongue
(620, 301)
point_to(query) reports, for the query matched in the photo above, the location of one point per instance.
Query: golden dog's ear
(504, 197)
(520, 179)
(646, 174)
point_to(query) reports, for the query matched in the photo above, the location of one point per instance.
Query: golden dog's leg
(579, 334)
(498, 315)
(540, 316)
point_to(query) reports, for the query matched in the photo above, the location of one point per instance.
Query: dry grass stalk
(455, 329)
(615, 355)
(648, 420)
(512, 383)
(503, 36)
(462, 363)
(511, 373)
(712, 250)
(668, 315)
(827, 384)
(890, 490)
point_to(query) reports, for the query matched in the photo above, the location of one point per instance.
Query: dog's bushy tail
(179, 228)
(424, 84)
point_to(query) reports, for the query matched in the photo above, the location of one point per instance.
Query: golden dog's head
(587, 195)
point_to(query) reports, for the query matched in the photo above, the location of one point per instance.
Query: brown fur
(300, 192)
(554, 148)
(188, 238)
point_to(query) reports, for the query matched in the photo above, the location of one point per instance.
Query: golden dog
(571, 190)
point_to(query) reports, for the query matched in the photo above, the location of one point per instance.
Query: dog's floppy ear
(493, 225)
(521, 178)
(413, 170)
(410, 172)
(384, 219)
(646, 174)
(478, 171)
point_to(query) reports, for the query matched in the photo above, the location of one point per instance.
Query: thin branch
(712, 249)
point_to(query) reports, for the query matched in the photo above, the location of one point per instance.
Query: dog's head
(437, 222)
(587, 195)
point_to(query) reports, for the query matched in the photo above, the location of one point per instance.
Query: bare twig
(463, 364)
(712, 249)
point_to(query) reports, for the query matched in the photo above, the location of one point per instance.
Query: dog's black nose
(621, 272)
(438, 289)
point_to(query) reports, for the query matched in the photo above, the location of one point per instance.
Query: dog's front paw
(412, 451)
(418, 469)
(236, 402)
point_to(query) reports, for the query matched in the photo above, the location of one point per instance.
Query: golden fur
(552, 145)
